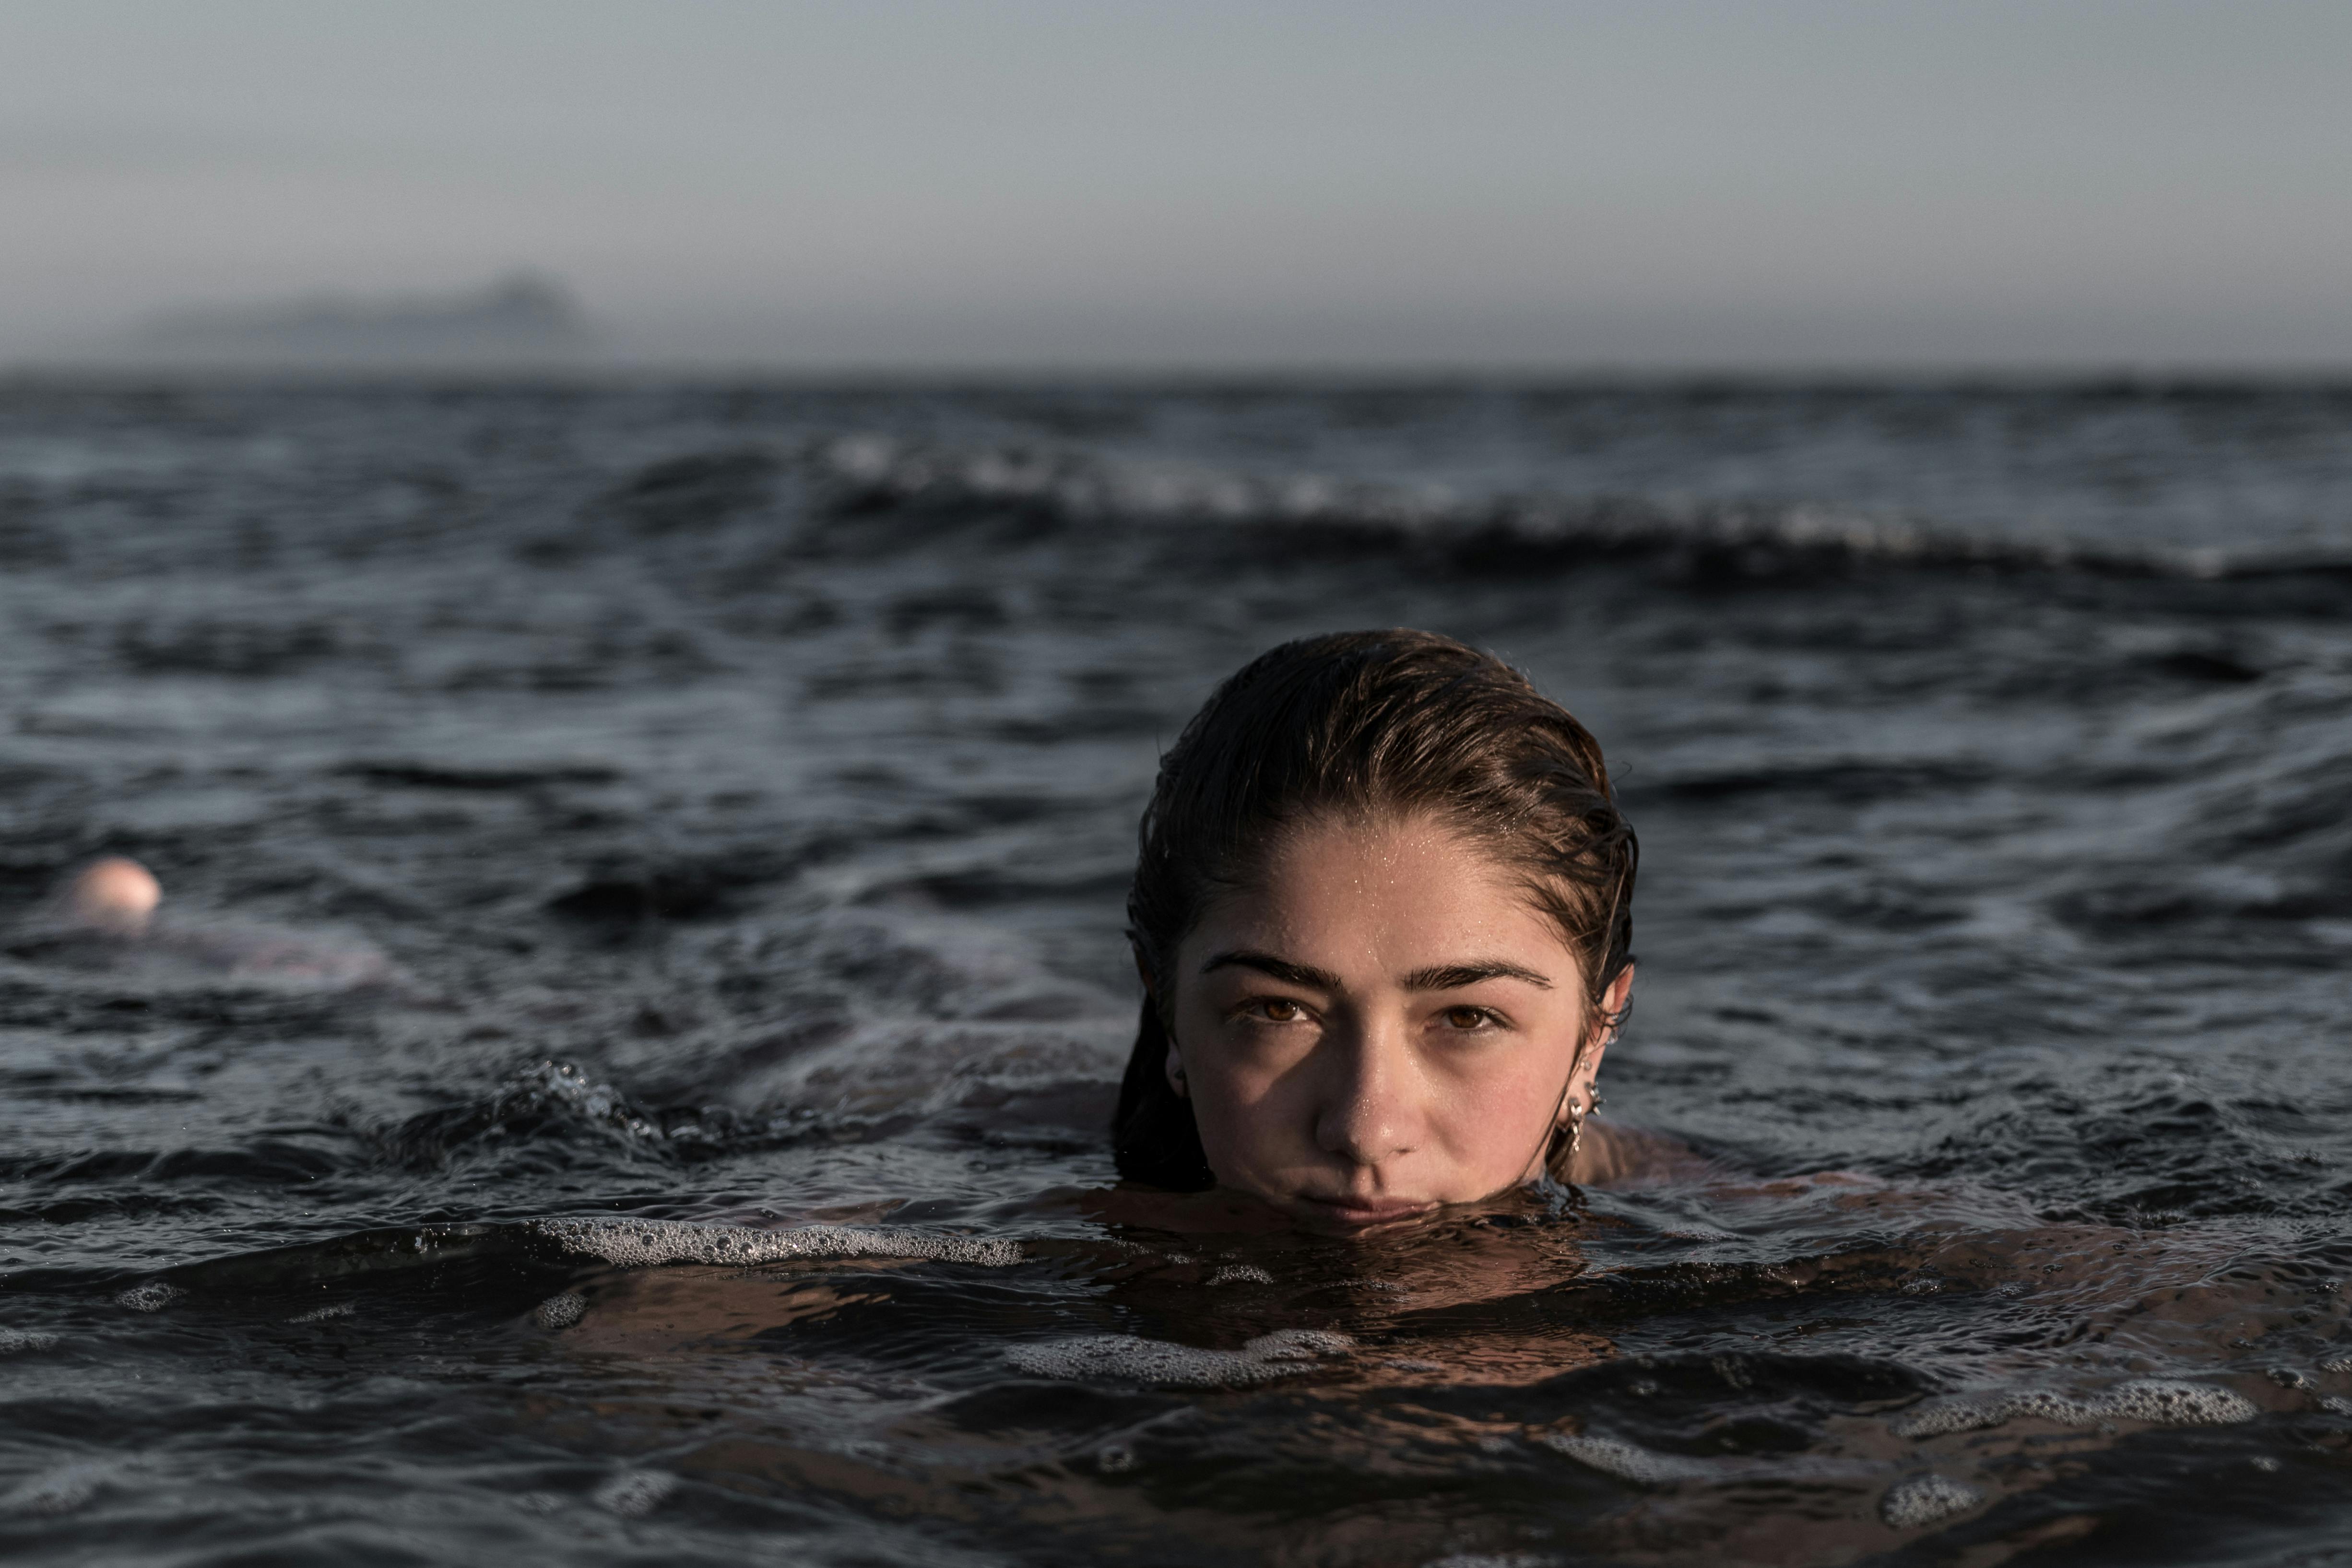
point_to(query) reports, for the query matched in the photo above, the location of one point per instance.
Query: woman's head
(1383, 913)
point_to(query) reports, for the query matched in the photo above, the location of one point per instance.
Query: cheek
(1249, 1102)
(1499, 1092)
(1490, 1108)
(1237, 1098)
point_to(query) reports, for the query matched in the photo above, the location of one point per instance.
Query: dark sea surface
(620, 1075)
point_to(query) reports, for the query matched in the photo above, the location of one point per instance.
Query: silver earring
(1575, 1127)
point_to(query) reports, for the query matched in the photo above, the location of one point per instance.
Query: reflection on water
(618, 1068)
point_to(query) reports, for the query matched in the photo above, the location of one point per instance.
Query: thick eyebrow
(1438, 977)
(1454, 976)
(1305, 974)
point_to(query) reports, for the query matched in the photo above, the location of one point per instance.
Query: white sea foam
(150, 1297)
(323, 1314)
(59, 1490)
(2156, 1401)
(1240, 1274)
(1924, 1499)
(643, 1243)
(1126, 1358)
(2336, 1364)
(633, 1494)
(560, 1310)
(1629, 1461)
(14, 1342)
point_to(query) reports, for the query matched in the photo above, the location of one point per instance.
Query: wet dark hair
(1367, 723)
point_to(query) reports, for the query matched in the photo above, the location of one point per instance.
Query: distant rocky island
(520, 318)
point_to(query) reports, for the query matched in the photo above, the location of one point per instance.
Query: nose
(1369, 1114)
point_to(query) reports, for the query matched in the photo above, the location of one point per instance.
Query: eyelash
(1255, 1009)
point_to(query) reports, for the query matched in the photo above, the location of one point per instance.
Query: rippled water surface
(620, 1071)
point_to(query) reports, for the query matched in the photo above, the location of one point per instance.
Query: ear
(1613, 1003)
(1174, 1068)
(1600, 1033)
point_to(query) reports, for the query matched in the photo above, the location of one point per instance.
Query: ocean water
(621, 1069)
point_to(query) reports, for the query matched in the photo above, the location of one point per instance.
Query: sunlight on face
(1383, 1024)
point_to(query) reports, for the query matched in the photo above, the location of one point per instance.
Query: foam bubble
(323, 1315)
(1128, 1358)
(633, 1494)
(1239, 1274)
(2156, 1401)
(1924, 1499)
(1628, 1461)
(2162, 1401)
(2336, 1364)
(150, 1297)
(1299, 1344)
(643, 1243)
(560, 1310)
(1114, 1458)
(15, 1342)
(60, 1491)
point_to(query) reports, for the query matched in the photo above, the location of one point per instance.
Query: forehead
(1410, 890)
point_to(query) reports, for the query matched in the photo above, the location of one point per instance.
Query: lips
(1361, 1213)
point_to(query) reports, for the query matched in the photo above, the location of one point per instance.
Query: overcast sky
(990, 183)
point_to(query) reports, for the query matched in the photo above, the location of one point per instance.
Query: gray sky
(1026, 182)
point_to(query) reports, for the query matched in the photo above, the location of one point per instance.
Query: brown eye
(1275, 1011)
(1464, 1017)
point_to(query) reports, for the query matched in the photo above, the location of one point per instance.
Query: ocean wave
(869, 476)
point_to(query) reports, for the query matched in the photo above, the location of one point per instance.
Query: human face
(1383, 1023)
